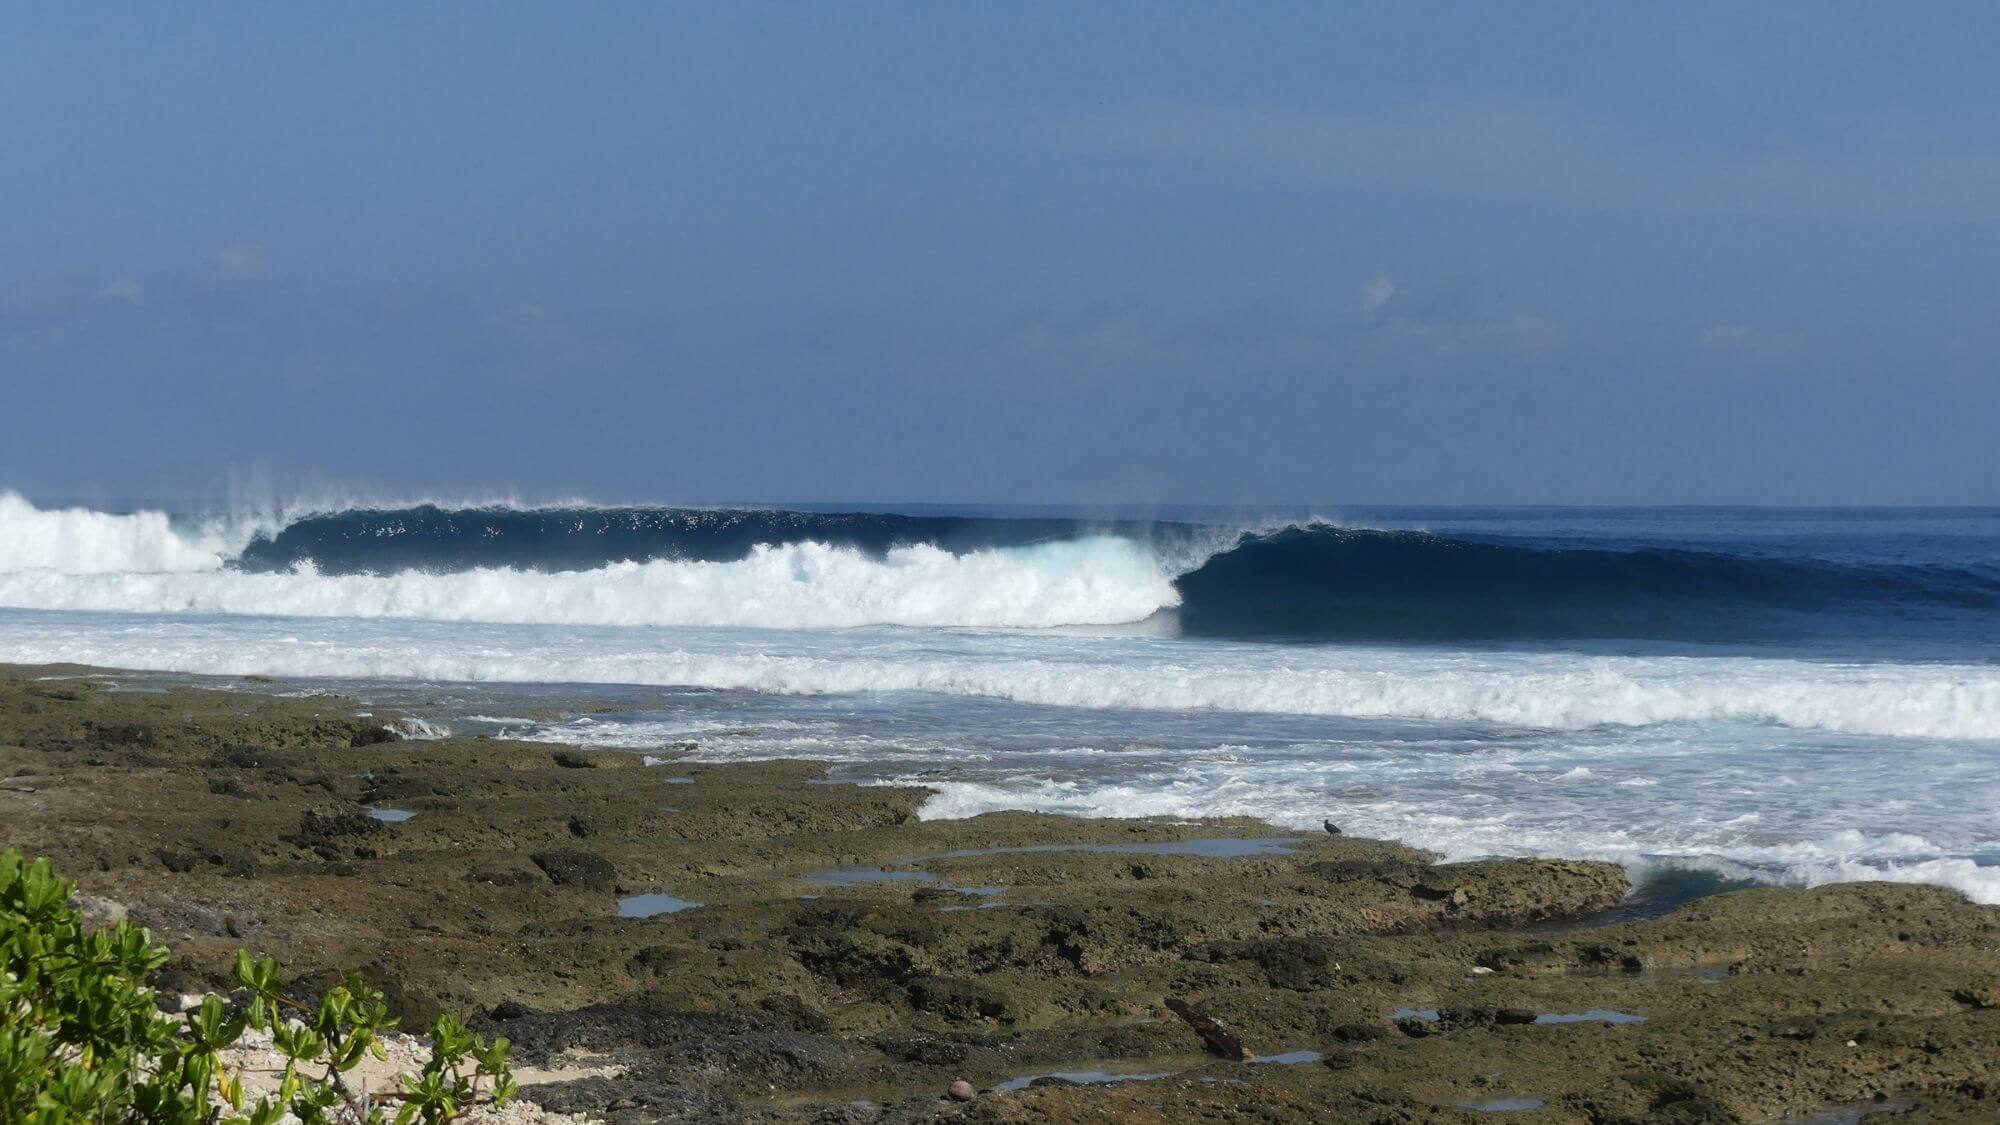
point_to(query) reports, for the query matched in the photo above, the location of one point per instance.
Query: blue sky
(1046, 253)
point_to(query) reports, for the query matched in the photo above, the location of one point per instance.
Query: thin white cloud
(1522, 334)
(1377, 293)
(1536, 153)
(242, 262)
(1744, 339)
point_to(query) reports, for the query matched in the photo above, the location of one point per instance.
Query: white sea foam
(412, 727)
(76, 559)
(80, 541)
(1101, 580)
(1459, 827)
(1555, 691)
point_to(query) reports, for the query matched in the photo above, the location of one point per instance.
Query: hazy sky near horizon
(1519, 253)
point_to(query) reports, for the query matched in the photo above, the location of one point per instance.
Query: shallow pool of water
(1594, 1015)
(647, 906)
(1083, 1078)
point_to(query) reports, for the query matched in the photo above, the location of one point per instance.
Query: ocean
(1786, 696)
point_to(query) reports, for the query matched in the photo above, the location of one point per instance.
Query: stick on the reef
(1218, 1039)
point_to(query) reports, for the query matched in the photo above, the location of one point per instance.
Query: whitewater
(1478, 683)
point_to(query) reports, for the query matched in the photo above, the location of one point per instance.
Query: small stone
(961, 1091)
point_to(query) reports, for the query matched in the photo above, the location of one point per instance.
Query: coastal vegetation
(83, 1037)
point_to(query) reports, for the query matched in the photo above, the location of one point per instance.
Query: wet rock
(957, 999)
(373, 736)
(1415, 1028)
(1360, 1032)
(655, 960)
(179, 863)
(634, 1100)
(854, 947)
(583, 870)
(1048, 1080)
(1980, 995)
(923, 1051)
(337, 832)
(790, 1012)
(507, 871)
(252, 758)
(1297, 964)
(1394, 872)
(1672, 1100)
(607, 1028)
(124, 735)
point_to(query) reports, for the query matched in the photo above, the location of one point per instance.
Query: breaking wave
(788, 569)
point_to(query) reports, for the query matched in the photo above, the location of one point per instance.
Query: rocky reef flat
(747, 942)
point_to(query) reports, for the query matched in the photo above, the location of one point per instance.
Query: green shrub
(81, 1039)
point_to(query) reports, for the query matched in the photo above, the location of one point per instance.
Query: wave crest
(790, 569)
(83, 541)
(799, 586)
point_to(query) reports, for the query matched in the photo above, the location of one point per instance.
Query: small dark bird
(1332, 829)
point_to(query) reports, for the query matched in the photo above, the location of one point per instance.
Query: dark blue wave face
(437, 539)
(1911, 584)
(1324, 582)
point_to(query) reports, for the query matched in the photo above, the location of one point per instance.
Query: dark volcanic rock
(924, 1051)
(586, 870)
(178, 862)
(605, 1028)
(373, 736)
(1360, 1032)
(337, 832)
(626, 1100)
(957, 999)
